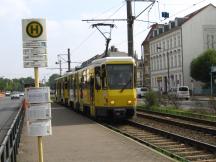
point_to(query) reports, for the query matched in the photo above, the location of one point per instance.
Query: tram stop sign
(34, 30)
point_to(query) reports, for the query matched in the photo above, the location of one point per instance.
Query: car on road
(21, 94)
(15, 95)
(141, 91)
(181, 92)
(7, 93)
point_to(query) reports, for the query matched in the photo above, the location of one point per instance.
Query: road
(8, 110)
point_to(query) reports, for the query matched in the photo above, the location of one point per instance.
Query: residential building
(146, 55)
(139, 64)
(172, 47)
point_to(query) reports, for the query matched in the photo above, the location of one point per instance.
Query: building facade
(173, 46)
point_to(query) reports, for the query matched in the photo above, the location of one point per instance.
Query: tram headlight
(112, 102)
(129, 102)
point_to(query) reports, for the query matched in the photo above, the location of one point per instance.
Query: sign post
(35, 56)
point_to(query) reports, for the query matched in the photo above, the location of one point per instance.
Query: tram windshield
(120, 76)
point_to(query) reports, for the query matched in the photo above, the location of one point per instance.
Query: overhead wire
(108, 10)
(191, 6)
(83, 41)
(91, 34)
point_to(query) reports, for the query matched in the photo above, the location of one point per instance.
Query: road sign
(39, 111)
(33, 51)
(39, 128)
(38, 95)
(34, 29)
(32, 64)
(34, 44)
(35, 58)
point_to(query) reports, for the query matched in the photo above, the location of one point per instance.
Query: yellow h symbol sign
(34, 29)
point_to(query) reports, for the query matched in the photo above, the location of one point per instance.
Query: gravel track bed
(200, 136)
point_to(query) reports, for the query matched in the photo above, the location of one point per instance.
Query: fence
(10, 144)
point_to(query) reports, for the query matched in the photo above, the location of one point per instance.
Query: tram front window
(120, 76)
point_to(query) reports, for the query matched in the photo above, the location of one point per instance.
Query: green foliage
(51, 81)
(200, 67)
(151, 99)
(14, 84)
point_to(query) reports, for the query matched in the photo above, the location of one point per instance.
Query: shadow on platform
(62, 116)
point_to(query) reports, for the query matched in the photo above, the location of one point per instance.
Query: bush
(151, 99)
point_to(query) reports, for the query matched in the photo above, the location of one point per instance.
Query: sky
(65, 28)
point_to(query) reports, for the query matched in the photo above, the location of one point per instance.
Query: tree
(51, 81)
(200, 67)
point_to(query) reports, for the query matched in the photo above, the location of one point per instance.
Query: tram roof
(99, 62)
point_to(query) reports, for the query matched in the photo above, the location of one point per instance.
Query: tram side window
(97, 78)
(103, 77)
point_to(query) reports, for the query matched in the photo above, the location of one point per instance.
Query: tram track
(174, 145)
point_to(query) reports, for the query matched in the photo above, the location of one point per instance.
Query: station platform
(79, 139)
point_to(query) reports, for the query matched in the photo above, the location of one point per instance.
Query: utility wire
(117, 10)
(84, 41)
(108, 10)
(191, 6)
(87, 38)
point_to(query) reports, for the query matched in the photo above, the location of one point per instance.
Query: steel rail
(173, 137)
(192, 142)
(177, 123)
(9, 146)
(201, 121)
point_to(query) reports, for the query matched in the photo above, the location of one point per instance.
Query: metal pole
(130, 21)
(69, 60)
(40, 142)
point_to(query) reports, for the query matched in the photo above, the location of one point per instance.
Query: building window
(160, 62)
(174, 41)
(179, 40)
(175, 64)
(179, 59)
(180, 79)
(163, 45)
(167, 44)
(164, 61)
(170, 42)
(157, 63)
(171, 61)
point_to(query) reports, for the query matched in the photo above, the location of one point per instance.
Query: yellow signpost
(40, 139)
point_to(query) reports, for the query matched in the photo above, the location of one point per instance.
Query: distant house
(170, 48)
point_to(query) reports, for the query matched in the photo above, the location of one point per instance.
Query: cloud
(13, 9)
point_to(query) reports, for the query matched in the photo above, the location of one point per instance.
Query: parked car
(15, 95)
(181, 92)
(7, 93)
(141, 91)
(21, 94)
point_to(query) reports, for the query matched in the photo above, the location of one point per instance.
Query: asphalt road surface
(8, 111)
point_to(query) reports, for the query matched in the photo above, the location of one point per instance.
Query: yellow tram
(105, 88)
